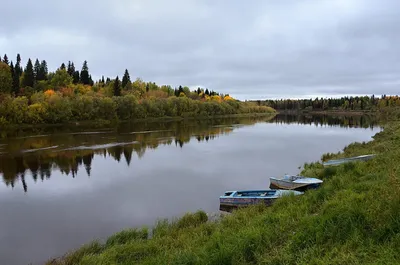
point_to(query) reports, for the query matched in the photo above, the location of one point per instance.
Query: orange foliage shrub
(49, 92)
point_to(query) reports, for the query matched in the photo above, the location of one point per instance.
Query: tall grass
(354, 218)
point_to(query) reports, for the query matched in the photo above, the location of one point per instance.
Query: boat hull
(229, 204)
(285, 185)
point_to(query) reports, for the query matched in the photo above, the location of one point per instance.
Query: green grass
(354, 218)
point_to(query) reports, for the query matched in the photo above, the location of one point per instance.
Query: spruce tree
(18, 67)
(15, 79)
(29, 77)
(91, 82)
(85, 74)
(42, 72)
(102, 79)
(126, 78)
(62, 67)
(36, 70)
(117, 87)
(5, 59)
(71, 68)
(75, 77)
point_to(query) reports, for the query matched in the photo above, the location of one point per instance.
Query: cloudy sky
(251, 49)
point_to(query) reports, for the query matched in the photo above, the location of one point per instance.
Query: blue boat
(347, 160)
(235, 199)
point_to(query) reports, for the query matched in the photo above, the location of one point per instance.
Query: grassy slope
(354, 218)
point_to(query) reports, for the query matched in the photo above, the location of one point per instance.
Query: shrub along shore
(352, 219)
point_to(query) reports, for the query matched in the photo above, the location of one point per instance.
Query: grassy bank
(354, 218)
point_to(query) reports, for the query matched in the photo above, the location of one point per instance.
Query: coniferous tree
(126, 78)
(102, 79)
(5, 59)
(117, 87)
(91, 80)
(62, 67)
(84, 77)
(71, 68)
(207, 92)
(43, 71)
(15, 79)
(108, 80)
(18, 67)
(36, 70)
(29, 77)
(75, 77)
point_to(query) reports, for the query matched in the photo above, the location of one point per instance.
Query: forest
(35, 95)
(364, 103)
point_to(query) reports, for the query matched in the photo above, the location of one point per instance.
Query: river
(65, 186)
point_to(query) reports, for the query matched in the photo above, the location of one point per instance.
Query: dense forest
(343, 103)
(34, 95)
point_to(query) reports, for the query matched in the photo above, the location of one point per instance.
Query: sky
(255, 49)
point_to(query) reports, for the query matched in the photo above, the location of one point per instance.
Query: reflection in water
(329, 120)
(67, 152)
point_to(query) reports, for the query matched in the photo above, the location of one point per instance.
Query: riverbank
(351, 219)
(328, 112)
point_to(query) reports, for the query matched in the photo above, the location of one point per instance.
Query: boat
(235, 199)
(348, 159)
(291, 182)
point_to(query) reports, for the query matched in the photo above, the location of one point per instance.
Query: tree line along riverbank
(34, 95)
(352, 219)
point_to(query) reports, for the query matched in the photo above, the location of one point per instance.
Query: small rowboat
(346, 160)
(235, 199)
(290, 182)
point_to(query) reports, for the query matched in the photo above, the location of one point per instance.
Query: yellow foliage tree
(49, 93)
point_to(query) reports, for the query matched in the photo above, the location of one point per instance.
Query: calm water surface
(63, 187)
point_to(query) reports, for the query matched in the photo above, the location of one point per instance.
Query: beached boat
(348, 159)
(299, 183)
(234, 199)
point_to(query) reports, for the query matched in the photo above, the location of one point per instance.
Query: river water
(65, 186)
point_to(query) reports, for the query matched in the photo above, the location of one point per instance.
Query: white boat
(291, 182)
(348, 159)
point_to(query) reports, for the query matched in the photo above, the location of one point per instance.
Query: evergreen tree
(102, 79)
(15, 79)
(207, 92)
(117, 87)
(36, 70)
(18, 67)
(5, 59)
(85, 74)
(62, 67)
(44, 71)
(91, 80)
(108, 80)
(198, 91)
(126, 79)
(71, 68)
(29, 76)
(76, 77)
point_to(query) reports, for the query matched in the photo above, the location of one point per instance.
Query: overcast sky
(251, 49)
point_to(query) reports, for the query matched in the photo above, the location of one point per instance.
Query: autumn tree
(29, 77)
(126, 79)
(117, 87)
(5, 78)
(61, 79)
(84, 76)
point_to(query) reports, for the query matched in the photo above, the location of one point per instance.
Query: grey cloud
(252, 49)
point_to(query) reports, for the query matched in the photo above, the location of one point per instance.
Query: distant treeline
(343, 103)
(34, 95)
